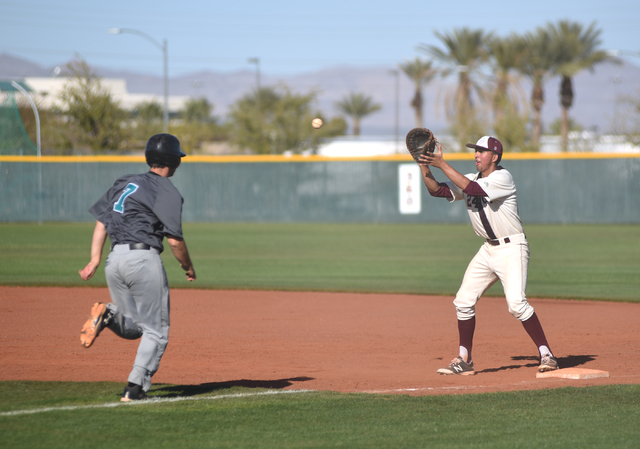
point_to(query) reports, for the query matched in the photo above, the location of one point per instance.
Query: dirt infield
(318, 341)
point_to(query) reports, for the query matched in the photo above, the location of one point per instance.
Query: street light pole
(165, 62)
(396, 73)
(256, 61)
(35, 112)
(165, 112)
(616, 80)
(614, 53)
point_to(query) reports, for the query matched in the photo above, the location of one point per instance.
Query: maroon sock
(466, 329)
(534, 329)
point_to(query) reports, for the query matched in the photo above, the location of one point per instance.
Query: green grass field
(574, 262)
(86, 415)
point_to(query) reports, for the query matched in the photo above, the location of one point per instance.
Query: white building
(46, 93)
(367, 146)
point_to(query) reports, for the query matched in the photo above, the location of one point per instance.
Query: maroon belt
(496, 242)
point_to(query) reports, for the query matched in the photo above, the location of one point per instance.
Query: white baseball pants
(508, 262)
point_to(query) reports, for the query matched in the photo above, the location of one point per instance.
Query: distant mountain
(593, 108)
(14, 67)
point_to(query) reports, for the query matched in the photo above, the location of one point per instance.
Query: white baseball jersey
(493, 216)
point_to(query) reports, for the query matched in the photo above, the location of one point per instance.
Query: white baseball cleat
(548, 363)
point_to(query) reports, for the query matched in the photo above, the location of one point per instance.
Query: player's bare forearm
(97, 243)
(429, 180)
(436, 159)
(456, 177)
(181, 253)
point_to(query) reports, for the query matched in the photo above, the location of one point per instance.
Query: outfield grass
(590, 417)
(590, 262)
(575, 262)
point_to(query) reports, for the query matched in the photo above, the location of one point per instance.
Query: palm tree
(538, 64)
(357, 106)
(420, 72)
(465, 50)
(577, 49)
(506, 97)
(507, 53)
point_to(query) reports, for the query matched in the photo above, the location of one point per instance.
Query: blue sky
(288, 37)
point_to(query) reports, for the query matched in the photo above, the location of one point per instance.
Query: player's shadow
(169, 391)
(570, 361)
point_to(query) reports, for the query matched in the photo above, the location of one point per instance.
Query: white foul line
(149, 401)
(460, 387)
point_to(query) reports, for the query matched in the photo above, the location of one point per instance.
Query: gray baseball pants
(140, 293)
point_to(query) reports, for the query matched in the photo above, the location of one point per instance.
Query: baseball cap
(488, 143)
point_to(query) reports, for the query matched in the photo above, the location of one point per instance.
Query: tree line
(271, 120)
(87, 120)
(489, 68)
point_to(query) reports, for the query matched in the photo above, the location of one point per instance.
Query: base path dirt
(319, 341)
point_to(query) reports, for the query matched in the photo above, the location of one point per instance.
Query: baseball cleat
(132, 392)
(548, 363)
(458, 366)
(100, 317)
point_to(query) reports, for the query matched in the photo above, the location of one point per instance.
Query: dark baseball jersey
(140, 208)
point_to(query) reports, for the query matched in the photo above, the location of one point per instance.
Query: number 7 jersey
(140, 208)
(495, 215)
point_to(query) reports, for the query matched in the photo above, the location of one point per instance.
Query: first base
(574, 373)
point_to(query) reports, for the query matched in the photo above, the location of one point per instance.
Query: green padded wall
(590, 190)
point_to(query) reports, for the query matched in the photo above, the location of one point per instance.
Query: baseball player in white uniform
(490, 197)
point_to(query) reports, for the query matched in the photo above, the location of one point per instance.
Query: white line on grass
(149, 401)
(461, 387)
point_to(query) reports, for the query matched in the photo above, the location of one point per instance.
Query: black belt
(497, 242)
(133, 246)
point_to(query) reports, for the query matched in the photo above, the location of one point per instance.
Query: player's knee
(521, 311)
(465, 312)
(465, 304)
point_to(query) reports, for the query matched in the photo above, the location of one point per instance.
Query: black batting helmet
(164, 150)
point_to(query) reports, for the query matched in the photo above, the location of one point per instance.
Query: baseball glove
(420, 141)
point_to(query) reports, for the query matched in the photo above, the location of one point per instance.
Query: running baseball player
(490, 197)
(137, 212)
